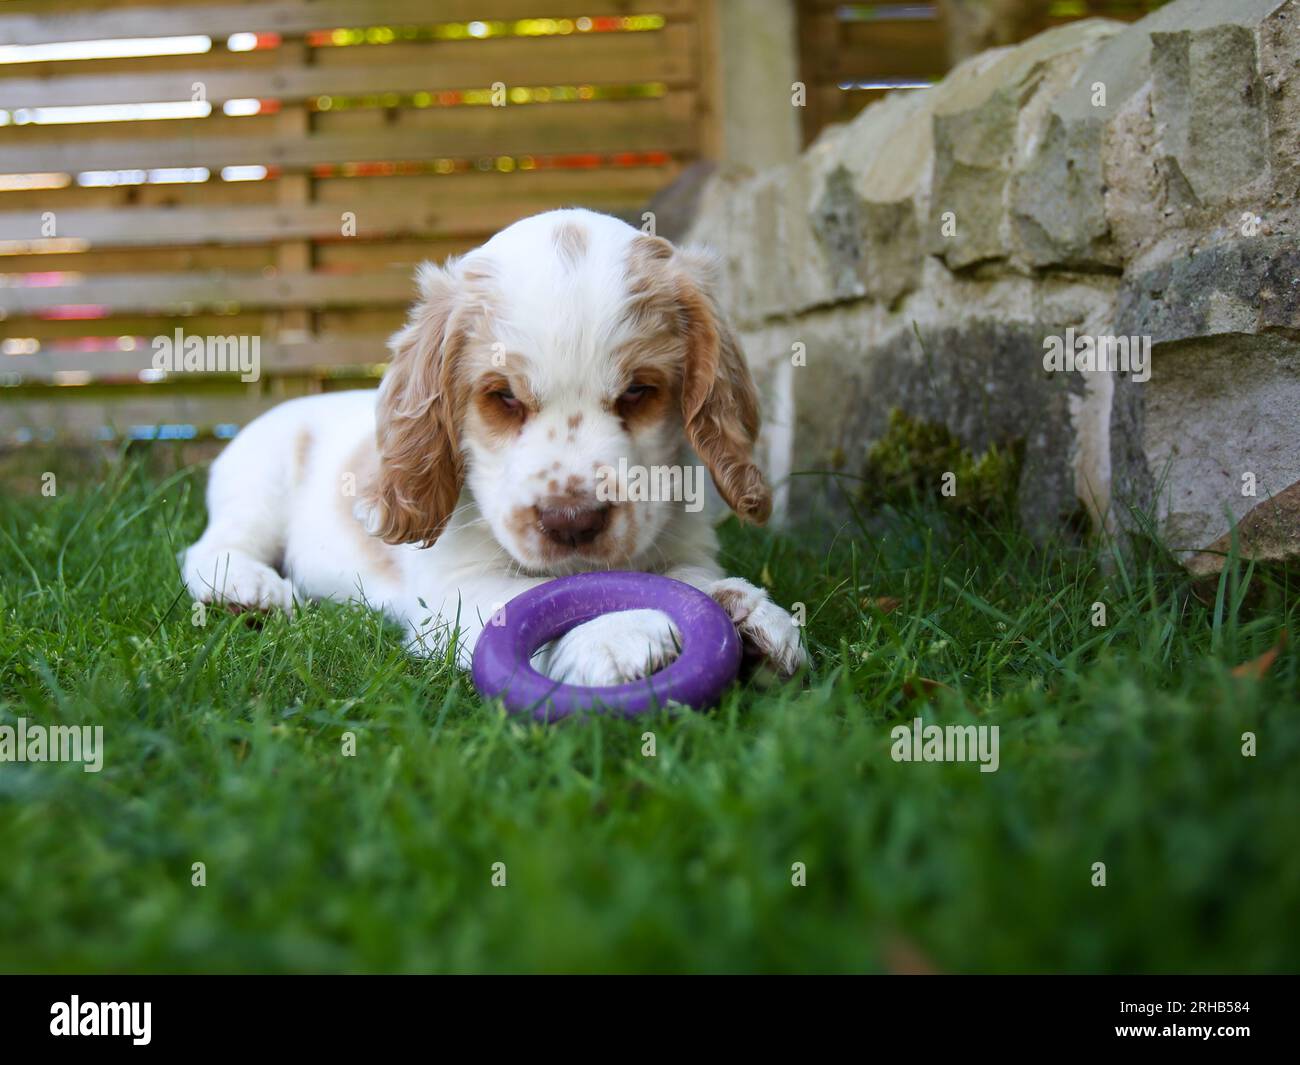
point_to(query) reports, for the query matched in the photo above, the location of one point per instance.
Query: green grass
(223, 742)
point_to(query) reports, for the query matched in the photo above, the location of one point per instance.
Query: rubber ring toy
(709, 661)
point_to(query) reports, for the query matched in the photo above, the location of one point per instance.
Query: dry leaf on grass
(924, 688)
(1257, 667)
(905, 958)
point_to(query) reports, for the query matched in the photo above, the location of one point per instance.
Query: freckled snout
(572, 523)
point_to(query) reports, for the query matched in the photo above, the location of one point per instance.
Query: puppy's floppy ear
(420, 468)
(719, 400)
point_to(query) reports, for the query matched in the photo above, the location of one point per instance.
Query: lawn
(224, 744)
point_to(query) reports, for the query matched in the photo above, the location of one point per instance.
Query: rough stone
(1267, 533)
(1060, 217)
(1209, 99)
(871, 249)
(1119, 180)
(1218, 435)
(1223, 401)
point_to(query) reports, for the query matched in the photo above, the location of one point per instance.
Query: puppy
(532, 374)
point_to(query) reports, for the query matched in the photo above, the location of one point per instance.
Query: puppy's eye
(507, 399)
(633, 394)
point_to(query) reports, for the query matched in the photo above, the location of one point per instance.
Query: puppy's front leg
(767, 630)
(613, 649)
(609, 650)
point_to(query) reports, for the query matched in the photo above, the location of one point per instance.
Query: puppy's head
(546, 368)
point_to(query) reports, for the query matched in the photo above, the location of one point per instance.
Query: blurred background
(274, 169)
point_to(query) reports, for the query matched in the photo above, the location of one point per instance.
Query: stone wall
(1117, 180)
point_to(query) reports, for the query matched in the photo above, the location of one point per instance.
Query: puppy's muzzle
(572, 524)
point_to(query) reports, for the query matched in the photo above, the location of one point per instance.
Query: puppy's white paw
(765, 628)
(236, 581)
(613, 649)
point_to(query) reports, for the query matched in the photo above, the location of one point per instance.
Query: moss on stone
(910, 461)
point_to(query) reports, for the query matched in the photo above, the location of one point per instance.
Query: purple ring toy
(709, 661)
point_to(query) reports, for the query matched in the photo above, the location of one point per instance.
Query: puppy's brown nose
(570, 523)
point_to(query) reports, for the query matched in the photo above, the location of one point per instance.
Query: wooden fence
(273, 169)
(324, 148)
(852, 54)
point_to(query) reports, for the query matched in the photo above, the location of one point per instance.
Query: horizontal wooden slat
(69, 7)
(68, 332)
(620, 58)
(293, 18)
(533, 190)
(333, 321)
(141, 260)
(15, 140)
(259, 225)
(593, 187)
(276, 358)
(497, 56)
(601, 126)
(899, 49)
(371, 255)
(217, 59)
(81, 415)
(866, 11)
(360, 321)
(330, 256)
(125, 293)
(593, 118)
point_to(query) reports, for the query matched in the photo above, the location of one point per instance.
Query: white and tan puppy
(567, 346)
